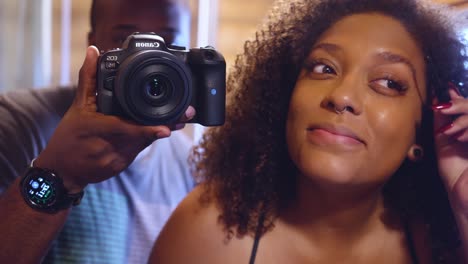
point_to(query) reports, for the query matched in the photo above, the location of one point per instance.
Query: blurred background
(43, 41)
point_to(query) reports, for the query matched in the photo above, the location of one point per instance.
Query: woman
(328, 154)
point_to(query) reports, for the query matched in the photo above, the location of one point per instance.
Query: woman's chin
(334, 179)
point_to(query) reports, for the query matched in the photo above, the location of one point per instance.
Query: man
(120, 214)
(113, 21)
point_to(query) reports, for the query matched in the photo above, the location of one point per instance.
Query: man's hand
(89, 147)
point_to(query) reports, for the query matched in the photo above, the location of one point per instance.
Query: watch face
(40, 188)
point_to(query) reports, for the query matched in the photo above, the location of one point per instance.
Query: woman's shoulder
(193, 234)
(196, 209)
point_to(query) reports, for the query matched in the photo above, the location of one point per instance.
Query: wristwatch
(43, 190)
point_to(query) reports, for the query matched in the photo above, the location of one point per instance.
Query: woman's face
(369, 67)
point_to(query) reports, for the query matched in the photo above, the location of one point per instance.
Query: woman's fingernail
(452, 86)
(444, 128)
(442, 106)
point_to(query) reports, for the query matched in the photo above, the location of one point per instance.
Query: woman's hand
(88, 146)
(451, 139)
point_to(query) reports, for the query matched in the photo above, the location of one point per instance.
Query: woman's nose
(345, 97)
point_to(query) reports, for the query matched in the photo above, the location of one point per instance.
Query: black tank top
(407, 231)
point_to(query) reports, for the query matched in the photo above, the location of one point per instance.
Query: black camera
(153, 84)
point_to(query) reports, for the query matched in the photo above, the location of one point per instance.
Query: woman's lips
(330, 134)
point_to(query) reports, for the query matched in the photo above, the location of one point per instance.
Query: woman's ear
(415, 153)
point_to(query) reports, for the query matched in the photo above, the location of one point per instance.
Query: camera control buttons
(109, 83)
(111, 65)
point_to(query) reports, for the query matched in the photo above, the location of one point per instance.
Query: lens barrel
(153, 87)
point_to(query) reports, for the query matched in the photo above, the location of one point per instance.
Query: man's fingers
(155, 132)
(178, 126)
(116, 128)
(189, 114)
(86, 91)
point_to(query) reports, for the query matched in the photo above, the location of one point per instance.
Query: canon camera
(153, 84)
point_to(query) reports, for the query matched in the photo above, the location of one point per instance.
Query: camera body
(153, 84)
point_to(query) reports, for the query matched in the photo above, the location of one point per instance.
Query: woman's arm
(452, 155)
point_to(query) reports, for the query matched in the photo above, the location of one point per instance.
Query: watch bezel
(60, 200)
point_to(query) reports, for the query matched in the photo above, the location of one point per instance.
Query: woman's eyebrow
(396, 58)
(329, 47)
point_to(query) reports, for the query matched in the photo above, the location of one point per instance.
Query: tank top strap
(258, 232)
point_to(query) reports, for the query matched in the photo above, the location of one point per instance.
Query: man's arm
(86, 147)
(26, 233)
(28, 118)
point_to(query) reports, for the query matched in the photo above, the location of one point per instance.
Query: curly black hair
(245, 164)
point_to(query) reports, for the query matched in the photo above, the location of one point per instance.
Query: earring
(416, 153)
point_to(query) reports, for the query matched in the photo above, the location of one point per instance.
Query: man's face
(116, 19)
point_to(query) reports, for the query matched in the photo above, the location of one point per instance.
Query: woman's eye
(391, 84)
(322, 69)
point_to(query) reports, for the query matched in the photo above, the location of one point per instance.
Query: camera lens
(153, 87)
(156, 89)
